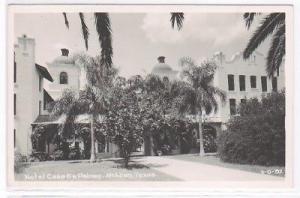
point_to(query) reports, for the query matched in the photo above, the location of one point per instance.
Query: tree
(89, 101)
(123, 121)
(103, 27)
(273, 25)
(92, 100)
(196, 94)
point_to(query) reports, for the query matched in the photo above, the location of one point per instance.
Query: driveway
(195, 171)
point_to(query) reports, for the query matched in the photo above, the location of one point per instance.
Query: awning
(44, 72)
(47, 96)
(47, 119)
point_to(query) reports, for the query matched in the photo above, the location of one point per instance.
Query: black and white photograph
(152, 95)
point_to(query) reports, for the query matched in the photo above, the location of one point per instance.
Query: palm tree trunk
(201, 141)
(93, 155)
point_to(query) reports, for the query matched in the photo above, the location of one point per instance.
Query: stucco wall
(237, 66)
(55, 89)
(27, 93)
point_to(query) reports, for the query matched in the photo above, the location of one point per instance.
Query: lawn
(214, 160)
(106, 170)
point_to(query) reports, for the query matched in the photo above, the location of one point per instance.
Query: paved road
(196, 171)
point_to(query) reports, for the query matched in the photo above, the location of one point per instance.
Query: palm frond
(105, 38)
(66, 20)
(85, 30)
(249, 17)
(268, 25)
(177, 17)
(276, 51)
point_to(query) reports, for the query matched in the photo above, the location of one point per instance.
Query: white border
(289, 80)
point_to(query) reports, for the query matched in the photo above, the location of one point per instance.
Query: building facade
(29, 95)
(242, 79)
(66, 74)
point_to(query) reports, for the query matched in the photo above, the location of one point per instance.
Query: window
(232, 106)
(40, 83)
(40, 107)
(14, 138)
(63, 78)
(15, 69)
(253, 81)
(264, 85)
(274, 84)
(242, 82)
(231, 82)
(15, 104)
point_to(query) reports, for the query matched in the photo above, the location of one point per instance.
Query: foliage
(257, 136)
(272, 24)
(75, 153)
(58, 155)
(123, 122)
(196, 94)
(177, 17)
(19, 160)
(37, 156)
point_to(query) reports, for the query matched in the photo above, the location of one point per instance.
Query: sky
(139, 38)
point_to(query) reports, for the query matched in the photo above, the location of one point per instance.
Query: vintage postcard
(150, 96)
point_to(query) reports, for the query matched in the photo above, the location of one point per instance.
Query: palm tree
(103, 27)
(195, 94)
(92, 100)
(273, 25)
(89, 101)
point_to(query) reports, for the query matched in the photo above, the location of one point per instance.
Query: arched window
(63, 78)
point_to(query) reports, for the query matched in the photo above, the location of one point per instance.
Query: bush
(75, 153)
(19, 161)
(38, 156)
(257, 136)
(57, 155)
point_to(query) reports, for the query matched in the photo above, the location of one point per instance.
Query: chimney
(161, 59)
(64, 52)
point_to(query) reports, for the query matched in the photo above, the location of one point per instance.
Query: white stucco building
(242, 79)
(30, 98)
(66, 74)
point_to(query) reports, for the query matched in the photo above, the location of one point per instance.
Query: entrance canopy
(47, 119)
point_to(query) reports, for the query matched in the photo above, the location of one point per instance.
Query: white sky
(138, 39)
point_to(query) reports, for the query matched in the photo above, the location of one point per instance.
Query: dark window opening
(14, 138)
(232, 105)
(40, 83)
(274, 84)
(15, 68)
(253, 81)
(242, 83)
(63, 78)
(264, 85)
(15, 104)
(40, 107)
(231, 82)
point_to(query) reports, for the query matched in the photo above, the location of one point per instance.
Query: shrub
(257, 136)
(37, 156)
(57, 155)
(19, 161)
(75, 153)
